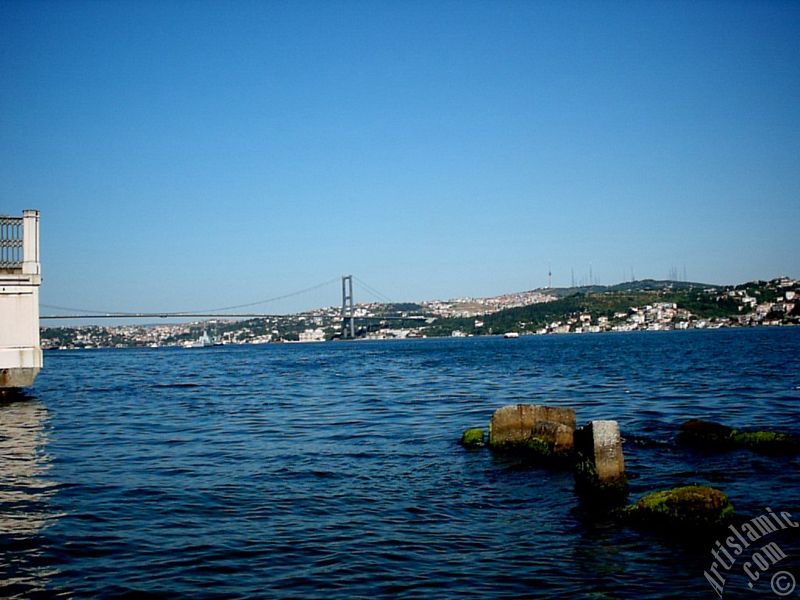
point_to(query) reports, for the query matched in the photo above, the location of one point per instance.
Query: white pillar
(30, 243)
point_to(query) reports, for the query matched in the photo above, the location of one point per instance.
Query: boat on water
(511, 335)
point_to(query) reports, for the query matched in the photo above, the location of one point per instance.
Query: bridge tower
(20, 277)
(348, 309)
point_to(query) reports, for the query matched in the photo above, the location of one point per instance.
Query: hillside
(645, 304)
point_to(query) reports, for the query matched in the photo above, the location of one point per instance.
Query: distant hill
(642, 304)
(642, 285)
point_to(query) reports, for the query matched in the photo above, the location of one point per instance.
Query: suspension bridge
(349, 318)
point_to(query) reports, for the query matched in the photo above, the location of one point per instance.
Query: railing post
(30, 242)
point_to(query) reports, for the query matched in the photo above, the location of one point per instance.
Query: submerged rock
(472, 438)
(533, 429)
(682, 509)
(705, 434)
(709, 435)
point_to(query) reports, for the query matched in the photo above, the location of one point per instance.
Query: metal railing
(11, 241)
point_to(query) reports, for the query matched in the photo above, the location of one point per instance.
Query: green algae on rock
(601, 495)
(708, 435)
(472, 438)
(682, 508)
(767, 442)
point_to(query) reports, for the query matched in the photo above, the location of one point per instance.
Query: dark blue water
(333, 470)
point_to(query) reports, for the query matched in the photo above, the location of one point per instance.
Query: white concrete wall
(20, 347)
(19, 319)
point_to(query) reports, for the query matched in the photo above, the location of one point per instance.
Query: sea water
(334, 470)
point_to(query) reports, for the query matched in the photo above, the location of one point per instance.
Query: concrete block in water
(600, 464)
(539, 429)
(600, 443)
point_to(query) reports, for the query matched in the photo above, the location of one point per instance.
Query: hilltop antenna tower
(549, 277)
(348, 310)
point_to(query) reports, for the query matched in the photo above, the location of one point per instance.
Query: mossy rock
(537, 446)
(532, 445)
(766, 442)
(682, 509)
(711, 436)
(472, 438)
(535, 449)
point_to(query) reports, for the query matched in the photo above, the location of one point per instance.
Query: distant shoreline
(51, 350)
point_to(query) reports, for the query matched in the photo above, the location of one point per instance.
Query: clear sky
(190, 155)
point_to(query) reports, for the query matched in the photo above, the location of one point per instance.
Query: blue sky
(190, 155)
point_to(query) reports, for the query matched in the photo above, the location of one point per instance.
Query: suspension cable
(373, 291)
(192, 312)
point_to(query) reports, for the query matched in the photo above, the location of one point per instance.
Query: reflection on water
(24, 495)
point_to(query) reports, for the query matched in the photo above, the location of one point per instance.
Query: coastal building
(312, 335)
(20, 277)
